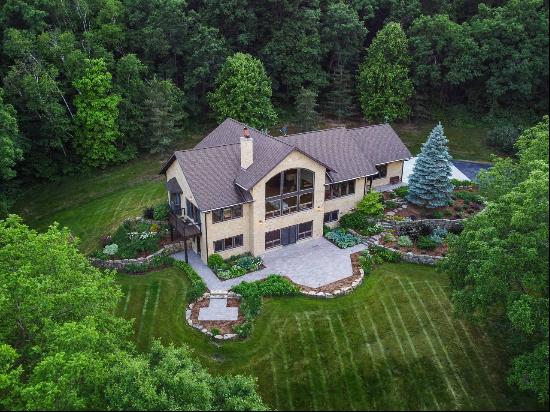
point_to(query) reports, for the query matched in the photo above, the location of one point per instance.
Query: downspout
(402, 169)
(206, 234)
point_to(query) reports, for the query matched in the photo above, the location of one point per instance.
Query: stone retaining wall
(410, 257)
(452, 225)
(120, 264)
(200, 327)
(338, 292)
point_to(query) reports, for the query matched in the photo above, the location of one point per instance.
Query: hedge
(198, 287)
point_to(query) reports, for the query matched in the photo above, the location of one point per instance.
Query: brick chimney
(247, 149)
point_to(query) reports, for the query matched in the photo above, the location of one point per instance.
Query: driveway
(471, 169)
(312, 263)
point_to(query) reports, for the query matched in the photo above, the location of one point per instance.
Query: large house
(241, 190)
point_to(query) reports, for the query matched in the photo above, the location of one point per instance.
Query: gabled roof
(216, 179)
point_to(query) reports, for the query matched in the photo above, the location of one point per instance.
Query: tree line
(95, 82)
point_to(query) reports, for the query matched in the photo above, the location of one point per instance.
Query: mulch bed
(225, 326)
(342, 283)
(457, 210)
(440, 250)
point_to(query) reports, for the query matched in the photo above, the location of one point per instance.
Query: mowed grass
(392, 344)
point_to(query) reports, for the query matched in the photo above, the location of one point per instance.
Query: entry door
(289, 235)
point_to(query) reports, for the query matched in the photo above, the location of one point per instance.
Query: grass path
(392, 344)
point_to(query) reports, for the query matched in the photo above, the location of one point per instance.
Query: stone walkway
(311, 263)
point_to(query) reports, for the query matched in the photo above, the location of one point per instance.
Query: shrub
(389, 237)
(372, 230)
(366, 262)
(273, 285)
(111, 250)
(447, 213)
(438, 240)
(249, 263)
(342, 239)
(468, 197)
(105, 240)
(462, 183)
(401, 191)
(216, 263)
(371, 204)
(503, 137)
(148, 213)
(234, 271)
(438, 214)
(426, 242)
(198, 287)
(326, 229)
(161, 211)
(390, 204)
(413, 229)
(385, 254)
(243, 330)
(404, 241)
(215, 331)
(441, 232)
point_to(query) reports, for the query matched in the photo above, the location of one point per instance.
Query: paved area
(218, 310)
(312, 263)
(471, 169)
(409, 165)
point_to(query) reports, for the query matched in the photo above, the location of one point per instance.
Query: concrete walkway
(312, 263)
(218, 310)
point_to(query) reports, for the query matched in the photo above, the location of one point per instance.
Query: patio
(311, 263)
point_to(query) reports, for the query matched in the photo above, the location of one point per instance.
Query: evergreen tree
(306, 107)
(384, 84)
(96, 116)
(340, 100)
(243, 92)
(163, 115)
(429, 184)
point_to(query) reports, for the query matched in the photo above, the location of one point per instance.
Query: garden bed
(223, 329)
(341, 237)
(235, 266)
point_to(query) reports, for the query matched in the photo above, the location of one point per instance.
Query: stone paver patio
(218, 310)
(312, 263)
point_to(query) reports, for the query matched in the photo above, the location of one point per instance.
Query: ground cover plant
(391, 344)
(235, 266)
(342, 238)
(360, 222)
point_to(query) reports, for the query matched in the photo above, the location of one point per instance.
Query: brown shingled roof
(213, 169)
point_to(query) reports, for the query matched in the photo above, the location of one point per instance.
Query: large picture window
(341, 189)
(228, 213)
(289, 192)
(382, 171)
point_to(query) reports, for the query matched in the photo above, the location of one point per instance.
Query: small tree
(340, 100)
(306, 106)
(384, 84)
(96, 115)
(430, 184)
(243, 92)
(371, 204)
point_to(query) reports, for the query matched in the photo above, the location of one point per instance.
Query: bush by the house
(342, 238)
(371, 205)
(156, 262)
(385, 254)
(216, 262)
(366, 262)
(404, 241)
(361, 223)
(234, 266)
(401, 191)
(198, 287)
(161, 211)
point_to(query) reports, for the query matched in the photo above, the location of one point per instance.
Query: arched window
(288, 192)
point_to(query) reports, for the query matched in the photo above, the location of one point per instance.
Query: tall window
(193, 211)
(228, 213)
(228, 243)
(341, 189)
(175, 202)
(288, 192)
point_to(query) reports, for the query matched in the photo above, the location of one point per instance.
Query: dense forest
(88, 83)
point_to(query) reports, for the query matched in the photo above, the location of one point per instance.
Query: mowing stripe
(303, 343)
(440, 341)
(143, 309)
(359, 379)
(368, 345)
(470, 362)
(285, 367)
(396, 336)
(128, 294)
(379, 341)
(274, 382)
(411, 344)
(430, 343)
(320, 369)
(340, 361)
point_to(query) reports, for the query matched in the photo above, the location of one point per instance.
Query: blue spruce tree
(429, 184)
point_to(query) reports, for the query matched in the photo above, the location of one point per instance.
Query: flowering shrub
(110, 250)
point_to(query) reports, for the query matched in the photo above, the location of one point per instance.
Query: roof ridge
(370, 125)
(205, 148)
(317, 130)
(249, 127)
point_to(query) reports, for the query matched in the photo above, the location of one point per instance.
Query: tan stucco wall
(394, 169)
(346, 203)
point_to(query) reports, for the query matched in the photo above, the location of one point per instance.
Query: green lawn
(392, 344)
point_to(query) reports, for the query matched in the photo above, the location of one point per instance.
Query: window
(289, 192)
(175, 202)
(272, 239)
(382, 171)
(331, 216)
(341, 189)
(193, 212)
(305, 230)
(233, 212)
(228, 243)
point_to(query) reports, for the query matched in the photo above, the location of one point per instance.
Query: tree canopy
(499, 264)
